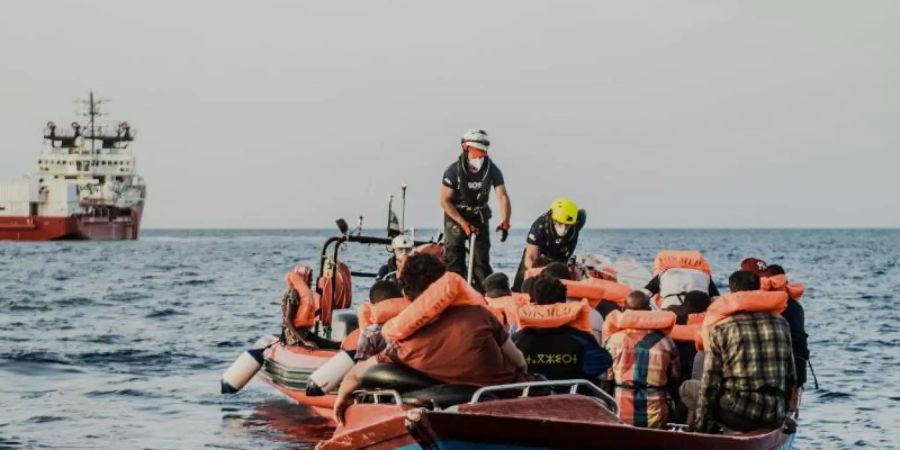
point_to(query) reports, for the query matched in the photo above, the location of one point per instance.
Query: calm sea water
(121, 344)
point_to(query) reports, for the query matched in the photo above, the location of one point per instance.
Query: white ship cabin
(83, 170)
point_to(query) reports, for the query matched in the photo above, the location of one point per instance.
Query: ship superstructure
(84, 187)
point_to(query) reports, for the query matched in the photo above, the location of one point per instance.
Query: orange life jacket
(351, 341)
(680, 259)
(595, 290)
(298, 280)
(575, 315)
(381, 312)
(638, 320)
(744, 301)
(505, 307)
(689, 332)
(449, 290)
(343, 291)
(781, 283)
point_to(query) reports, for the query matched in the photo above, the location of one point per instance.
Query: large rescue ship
(85, 186)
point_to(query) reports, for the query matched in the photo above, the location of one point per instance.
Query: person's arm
(596, 361)
(349, 384)
(503, 201)
(710, 385)
(531, 255)
(582, 220)
(451, 211)
(512, 354)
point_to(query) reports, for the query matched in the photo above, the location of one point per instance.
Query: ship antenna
(93, 112)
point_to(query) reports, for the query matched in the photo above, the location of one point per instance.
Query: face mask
(476, 163)
(560, 229)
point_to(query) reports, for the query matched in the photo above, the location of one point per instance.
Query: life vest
(572, 314)
(595, 290)
(472, 200)
(334, 297)
(689, 332)
(679, 272)
(507, 306)
(744, 301)
(381, 312)
(630, 319)
(351, 341)
(298, 280)
(781, 283)
(449, 290)
(680, 259)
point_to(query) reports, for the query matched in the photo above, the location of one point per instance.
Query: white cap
(402, 241)
(477, 139)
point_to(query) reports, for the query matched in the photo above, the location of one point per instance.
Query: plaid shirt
(749, 370)
(644, 363)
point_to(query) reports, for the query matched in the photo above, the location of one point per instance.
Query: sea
(122, 344)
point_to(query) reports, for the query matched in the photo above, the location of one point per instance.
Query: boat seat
(441, 396)
(395, 377)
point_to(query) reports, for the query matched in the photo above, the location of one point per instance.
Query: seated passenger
(677, 272)
(370, 341)
(447, 333)
(501, 300)
(748, 374)
(561, 271)
(690, 313)
(554, 335)
(796, 320)
(645, 360)
(401, 246)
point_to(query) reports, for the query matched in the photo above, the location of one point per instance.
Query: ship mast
(93, 112)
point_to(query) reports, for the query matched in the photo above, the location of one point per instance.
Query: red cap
(754, 265)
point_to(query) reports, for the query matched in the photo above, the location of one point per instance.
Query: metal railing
(571, 385)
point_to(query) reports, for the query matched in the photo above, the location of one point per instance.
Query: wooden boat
(571, 414)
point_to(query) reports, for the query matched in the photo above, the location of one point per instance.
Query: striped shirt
(748, 370)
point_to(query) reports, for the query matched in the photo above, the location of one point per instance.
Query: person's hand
(467, 228)
(503, 228)
(341, 403)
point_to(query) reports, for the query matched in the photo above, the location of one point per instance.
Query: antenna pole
(403, 210)
(390, 205)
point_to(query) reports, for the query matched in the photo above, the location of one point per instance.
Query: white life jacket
(675, 283)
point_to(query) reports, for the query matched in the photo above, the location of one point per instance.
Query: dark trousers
(455, 249)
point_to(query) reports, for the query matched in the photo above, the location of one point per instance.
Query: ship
(85, 185)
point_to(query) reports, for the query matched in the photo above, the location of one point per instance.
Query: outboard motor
(245, 366)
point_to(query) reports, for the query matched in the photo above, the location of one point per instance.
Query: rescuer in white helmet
(400, 246)
(464, 198)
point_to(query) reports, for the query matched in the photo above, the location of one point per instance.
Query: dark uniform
(388, 271)
(550, 246)
(470, 196)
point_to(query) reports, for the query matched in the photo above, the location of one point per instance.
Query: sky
(647, 113)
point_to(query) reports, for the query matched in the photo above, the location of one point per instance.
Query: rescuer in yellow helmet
(553, 236)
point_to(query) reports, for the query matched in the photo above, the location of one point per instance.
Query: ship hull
(116, 225)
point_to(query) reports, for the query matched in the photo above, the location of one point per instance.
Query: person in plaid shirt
(645, 366)
(748, 372)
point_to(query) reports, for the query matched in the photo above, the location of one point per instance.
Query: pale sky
(648, 114)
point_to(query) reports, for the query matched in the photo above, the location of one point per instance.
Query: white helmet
(477, 139)
(402, 241)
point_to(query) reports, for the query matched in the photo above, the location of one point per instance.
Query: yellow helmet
(564, 211)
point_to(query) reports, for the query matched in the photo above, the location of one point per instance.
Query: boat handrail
(377, 394)
(527, 386)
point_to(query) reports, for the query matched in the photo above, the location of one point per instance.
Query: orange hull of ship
(81, 227)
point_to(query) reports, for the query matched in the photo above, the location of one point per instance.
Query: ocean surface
(122, 344)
